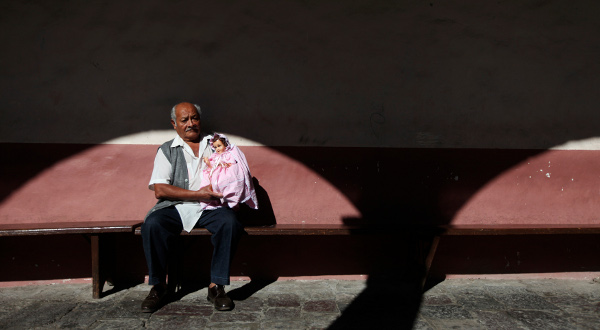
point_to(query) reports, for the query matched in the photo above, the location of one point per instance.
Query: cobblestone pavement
(457, 304)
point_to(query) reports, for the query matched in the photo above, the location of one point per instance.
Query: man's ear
(174, 124)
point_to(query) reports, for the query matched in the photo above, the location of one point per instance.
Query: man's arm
(170, 192)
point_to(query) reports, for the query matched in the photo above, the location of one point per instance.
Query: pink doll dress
(234, 182)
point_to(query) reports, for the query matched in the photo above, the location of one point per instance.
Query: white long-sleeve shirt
(189, 211)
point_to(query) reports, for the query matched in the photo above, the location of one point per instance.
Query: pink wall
(321, 185)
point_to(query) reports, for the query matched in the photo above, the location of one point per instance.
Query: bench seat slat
(53, 228)
(294, 230)
(519, 229)
(443, 230)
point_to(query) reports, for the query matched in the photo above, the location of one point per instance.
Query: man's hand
(207, 193)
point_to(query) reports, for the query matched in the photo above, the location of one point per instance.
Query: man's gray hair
(173, 117)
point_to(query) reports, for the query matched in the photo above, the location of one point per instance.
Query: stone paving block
(38, 314)
(235, 317)
(229, 326)
(126, 308)
(316, 288)
(176, 322)
(283, 300)
(82, 316)
(275, 313)
(320, 306)
(438, 288)
(82, 292)
(589, 290)
(283, 287)
(458, 285)
(524, 300)
(459, 294)
(185, 309)
(284, 324)
(480, 301)
(352, 287)
(456, 324)
(574, 304)
(319, 321)
(499, 320)
(546, 287)
(197, 294)
(584, 321)
(343, 300)
(21, 292)
(11, 305)
(445, 312)
(118, 324)
(497, 289)
(200, 301)
(541, 319)
(252, 304)
(438, 299)
(318, 296)
(551, 287)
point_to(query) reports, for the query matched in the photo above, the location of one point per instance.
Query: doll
(228, 172)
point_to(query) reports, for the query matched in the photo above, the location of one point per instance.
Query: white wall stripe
(586, 144)
(159, 136)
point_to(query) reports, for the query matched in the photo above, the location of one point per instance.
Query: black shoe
(155, 298)
(217, 296)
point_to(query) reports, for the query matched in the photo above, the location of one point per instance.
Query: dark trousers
(162, 228)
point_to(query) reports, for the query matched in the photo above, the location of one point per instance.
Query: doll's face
(219, 146)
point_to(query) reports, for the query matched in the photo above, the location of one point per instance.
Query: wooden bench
(506, 230)
(99, 233)
(292, 229)
(433, 233)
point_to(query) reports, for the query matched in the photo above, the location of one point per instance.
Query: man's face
(187, 122)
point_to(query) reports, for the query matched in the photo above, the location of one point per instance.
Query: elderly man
(177, 184)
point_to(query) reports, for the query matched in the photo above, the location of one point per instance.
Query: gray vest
(179, 173)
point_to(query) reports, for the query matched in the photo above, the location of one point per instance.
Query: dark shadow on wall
(264, 215)
(396, 186)
(360, 73)
(28, 160)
